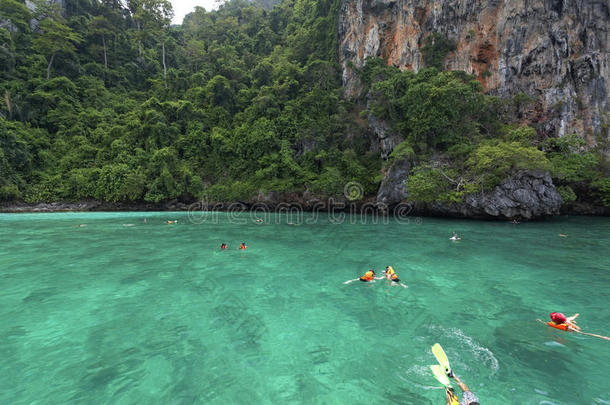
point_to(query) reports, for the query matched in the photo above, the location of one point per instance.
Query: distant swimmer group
(242, 246)
(370, 275)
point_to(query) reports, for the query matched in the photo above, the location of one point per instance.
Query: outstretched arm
(571, 318)
(459, 382)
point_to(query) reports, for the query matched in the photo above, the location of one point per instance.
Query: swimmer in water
(243, 246)
(569, 321)
(367, 277)
(223, 246)
(455, 236)
(468, 398)
(391, 275)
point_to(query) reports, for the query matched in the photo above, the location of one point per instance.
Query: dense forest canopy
(105, 100)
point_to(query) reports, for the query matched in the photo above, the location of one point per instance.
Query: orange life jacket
(561, 326)
(390, 272)
(369, 275)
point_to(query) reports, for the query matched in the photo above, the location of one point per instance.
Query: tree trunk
(139, 42)
(164, 66)
(49, 66)
(105, 55)
(9, 107)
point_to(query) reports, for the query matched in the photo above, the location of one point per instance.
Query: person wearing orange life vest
(368, 276)
(560, 321)
(390, 274)
(243, 246)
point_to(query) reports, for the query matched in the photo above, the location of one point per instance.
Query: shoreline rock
(526, 195)
(500, 205)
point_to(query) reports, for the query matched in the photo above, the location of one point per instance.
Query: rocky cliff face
(32, 6)
(556, 51)
(525, 195)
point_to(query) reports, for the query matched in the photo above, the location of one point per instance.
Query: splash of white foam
(480, 353)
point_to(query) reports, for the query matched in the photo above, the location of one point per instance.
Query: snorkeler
(368, 276)
(442, 372)
(243, 246)
(468, 398)
(560, 321)
(566, 323)
(391, 275)
(223, 246)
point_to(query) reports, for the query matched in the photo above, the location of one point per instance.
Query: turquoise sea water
(110, 313)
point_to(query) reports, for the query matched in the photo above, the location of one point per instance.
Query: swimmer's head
(558, 317)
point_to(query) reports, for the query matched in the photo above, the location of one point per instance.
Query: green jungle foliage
(106, 100)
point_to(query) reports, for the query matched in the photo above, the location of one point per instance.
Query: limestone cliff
(525, 195)
(556, 51)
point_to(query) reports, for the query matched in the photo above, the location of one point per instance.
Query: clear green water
(157, 314)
